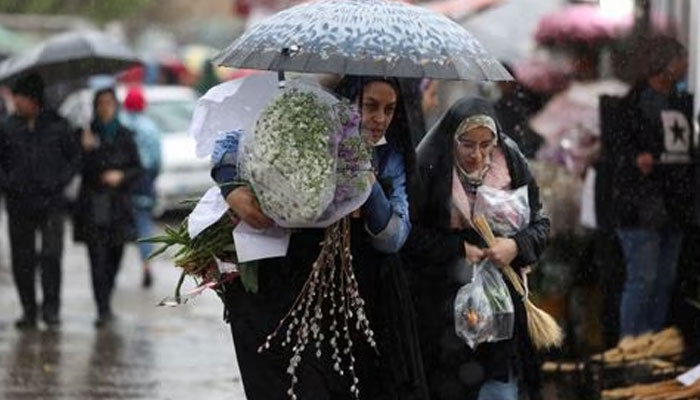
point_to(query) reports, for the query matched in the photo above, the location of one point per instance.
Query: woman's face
(473, 148)
(378, 107)
(106, 107)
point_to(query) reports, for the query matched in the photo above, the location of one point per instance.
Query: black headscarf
(435, 158)
(398, 134)
(402, 370)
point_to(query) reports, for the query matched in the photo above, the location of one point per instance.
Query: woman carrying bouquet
(379, 230)
(463, 152)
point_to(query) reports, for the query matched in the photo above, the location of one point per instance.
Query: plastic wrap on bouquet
(507, 211)
(305, 159)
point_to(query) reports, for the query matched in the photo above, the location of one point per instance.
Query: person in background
(207, 78)
(38, 157)
(652, 186)
(430, 101)
(514, 109)
(103, 218)
(147, 138)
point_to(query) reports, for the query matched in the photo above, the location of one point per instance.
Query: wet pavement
(149, 353)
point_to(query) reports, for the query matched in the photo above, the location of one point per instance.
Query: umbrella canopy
(70, 56)
(363, 37)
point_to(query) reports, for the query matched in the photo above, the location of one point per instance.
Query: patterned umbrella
(70, 56)
(363, 37)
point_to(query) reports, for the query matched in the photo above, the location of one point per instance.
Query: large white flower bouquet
(305, 159)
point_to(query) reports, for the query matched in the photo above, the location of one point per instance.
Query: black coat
(397, 372)
(102, 212)
(514, 111)
(435, 253)
(662, 197)
(36, 165)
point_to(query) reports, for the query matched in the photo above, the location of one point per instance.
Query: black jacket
(435, 253)
(664, 196)
(103, 212)
(36, 165)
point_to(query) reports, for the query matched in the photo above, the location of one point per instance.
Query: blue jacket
(148, 142)
(147, 138)
(386, 210)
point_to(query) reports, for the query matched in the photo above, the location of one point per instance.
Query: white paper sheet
(690, 377)
(253, 244)
(226, 267)
(210, 208)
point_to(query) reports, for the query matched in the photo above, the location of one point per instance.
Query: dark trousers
(105, 259)
(24, 226)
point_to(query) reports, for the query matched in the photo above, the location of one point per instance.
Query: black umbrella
(363, 37)
(70, 56)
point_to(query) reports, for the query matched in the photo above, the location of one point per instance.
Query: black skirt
(396, 372)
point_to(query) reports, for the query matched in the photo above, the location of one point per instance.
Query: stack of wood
(665, 390)
(667, 343)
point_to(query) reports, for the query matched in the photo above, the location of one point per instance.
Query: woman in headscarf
(463, 152)
(379, 230)
(103, 217)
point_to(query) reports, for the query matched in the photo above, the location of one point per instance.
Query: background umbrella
(363, 37)
(70, 56)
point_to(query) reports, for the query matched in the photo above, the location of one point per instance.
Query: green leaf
(158, 252)
(249, 276)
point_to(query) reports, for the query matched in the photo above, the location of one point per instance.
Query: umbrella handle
(286, 53)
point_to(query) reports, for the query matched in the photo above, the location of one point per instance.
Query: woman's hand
(88, 140)
(645, 163)
(244, 204)
(473, 253)
(372, 178)
(503, 252)
(113, 177)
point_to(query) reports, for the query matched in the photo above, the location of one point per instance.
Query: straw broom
(544, 330)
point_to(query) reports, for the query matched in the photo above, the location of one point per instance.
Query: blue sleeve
(386, 215)
(156, 146)
(224, 159)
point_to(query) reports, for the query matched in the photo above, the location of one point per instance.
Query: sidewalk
(150, 353)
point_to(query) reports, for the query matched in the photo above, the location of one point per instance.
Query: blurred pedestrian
(514, 109)
(430, 102)
(104, 217)
(207, 78)
(38, 157)
(652, 186)
(147, 138)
